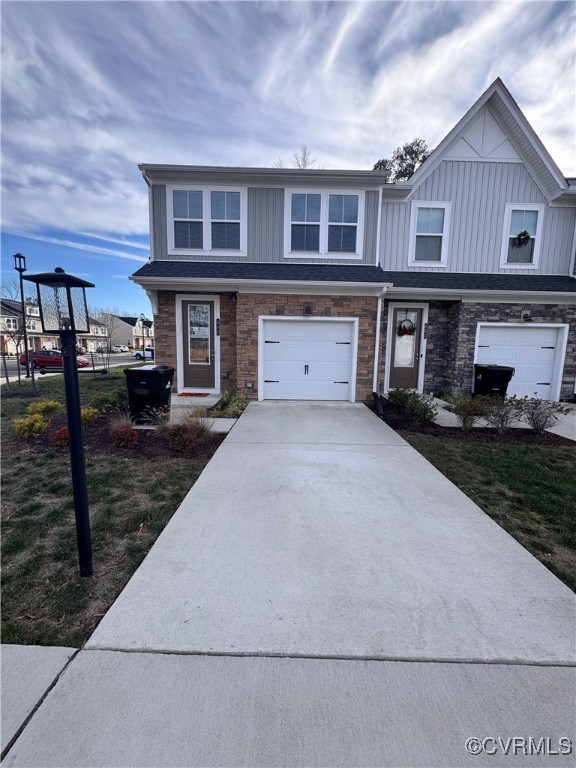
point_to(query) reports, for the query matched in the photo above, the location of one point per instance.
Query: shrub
(540, 414)
(185, 437)
(89, 414)
(422, 407)
(59, 436)
(399, 397)
(469, 409)
(44, 407)
(419, 406)
(105, 402)
(231, 404)
(122, 433)
(31, 425)
(502, 414)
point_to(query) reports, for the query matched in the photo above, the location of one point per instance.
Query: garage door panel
(307, 359)
(530, 350)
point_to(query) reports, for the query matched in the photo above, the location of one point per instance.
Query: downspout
(379, 230)
(377, 344)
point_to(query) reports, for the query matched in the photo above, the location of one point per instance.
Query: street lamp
(20, 266)
(63, 311)
(142, 317)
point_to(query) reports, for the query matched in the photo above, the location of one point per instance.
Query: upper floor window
(522, 235)
(11, 323)
(324, 224)
(429, 229)
(204, 220)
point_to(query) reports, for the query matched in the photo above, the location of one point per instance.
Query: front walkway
(322, 597)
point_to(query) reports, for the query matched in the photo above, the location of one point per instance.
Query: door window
(199, 334)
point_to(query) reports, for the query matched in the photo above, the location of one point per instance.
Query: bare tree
(301, 159)
(10, 289)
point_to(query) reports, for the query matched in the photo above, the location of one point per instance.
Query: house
(321, 284)
(129, 331)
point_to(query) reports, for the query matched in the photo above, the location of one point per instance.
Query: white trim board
(422, 351)
(179, 299)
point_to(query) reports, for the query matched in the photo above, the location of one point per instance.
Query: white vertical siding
(478, 193)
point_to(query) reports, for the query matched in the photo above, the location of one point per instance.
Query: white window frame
(323, 253)
(539, 207)
(207, 220)
(11, 323)
(447, 207)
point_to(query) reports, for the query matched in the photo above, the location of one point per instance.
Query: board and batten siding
(478, 193)
(265, 230)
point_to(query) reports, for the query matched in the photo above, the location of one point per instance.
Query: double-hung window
(429, 231)
(324, 224)
(522, 235)
(207, 221)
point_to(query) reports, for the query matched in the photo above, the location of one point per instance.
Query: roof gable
(494, 128)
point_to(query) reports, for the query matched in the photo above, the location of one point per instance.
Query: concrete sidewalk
(322, 597)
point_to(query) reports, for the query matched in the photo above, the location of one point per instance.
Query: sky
(90, 89)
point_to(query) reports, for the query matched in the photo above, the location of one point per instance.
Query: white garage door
(308, 359)
(531, 350)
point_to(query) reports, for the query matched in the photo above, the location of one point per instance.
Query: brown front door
(405, 352)
(198, 336)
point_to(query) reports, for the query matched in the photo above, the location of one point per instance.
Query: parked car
(148, 353)
(50, 358)
(116, 348)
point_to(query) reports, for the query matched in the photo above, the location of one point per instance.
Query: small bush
(190, 434)
(469, 409)
(540, 414)
(502, 414)
(31, 425)
(89, 414)
(122, 433)
(419, 406)
(105, 402)
(399, 397)
(59, 437)
(44, 407)
(231, 405)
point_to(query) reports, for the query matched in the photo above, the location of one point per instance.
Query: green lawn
(529, 490)
(132, 495)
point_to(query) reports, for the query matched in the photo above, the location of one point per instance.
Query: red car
(50, 358)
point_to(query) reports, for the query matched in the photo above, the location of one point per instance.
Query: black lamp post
(63, 311)
(142, 317)
(20, 266)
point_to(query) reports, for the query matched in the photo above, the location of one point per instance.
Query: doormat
(193, 394)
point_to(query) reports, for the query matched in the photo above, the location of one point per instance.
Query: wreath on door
(406, 328)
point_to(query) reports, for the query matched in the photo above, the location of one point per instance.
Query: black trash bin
(492, 379)
(149, 389)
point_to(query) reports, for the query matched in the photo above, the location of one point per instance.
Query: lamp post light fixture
(142, 317)
(20, 266)
(63, 311)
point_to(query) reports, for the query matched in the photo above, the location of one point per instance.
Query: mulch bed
(401, 421)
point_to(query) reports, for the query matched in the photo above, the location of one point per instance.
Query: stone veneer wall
(165, 335)
(471, 314)
(250, 306)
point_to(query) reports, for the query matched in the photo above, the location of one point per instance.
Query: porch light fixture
(63, 311)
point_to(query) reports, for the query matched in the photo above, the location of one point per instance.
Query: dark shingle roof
(218, 270)
(229, 270)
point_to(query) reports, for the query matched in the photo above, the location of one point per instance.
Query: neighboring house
(129, 331)
(309, 284)
(12, 337)
(11, 326)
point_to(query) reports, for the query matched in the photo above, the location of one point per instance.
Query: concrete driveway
(323, 597)
(316, 531)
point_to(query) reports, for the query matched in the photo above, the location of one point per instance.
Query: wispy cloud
(90, 89)
(80, 246)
